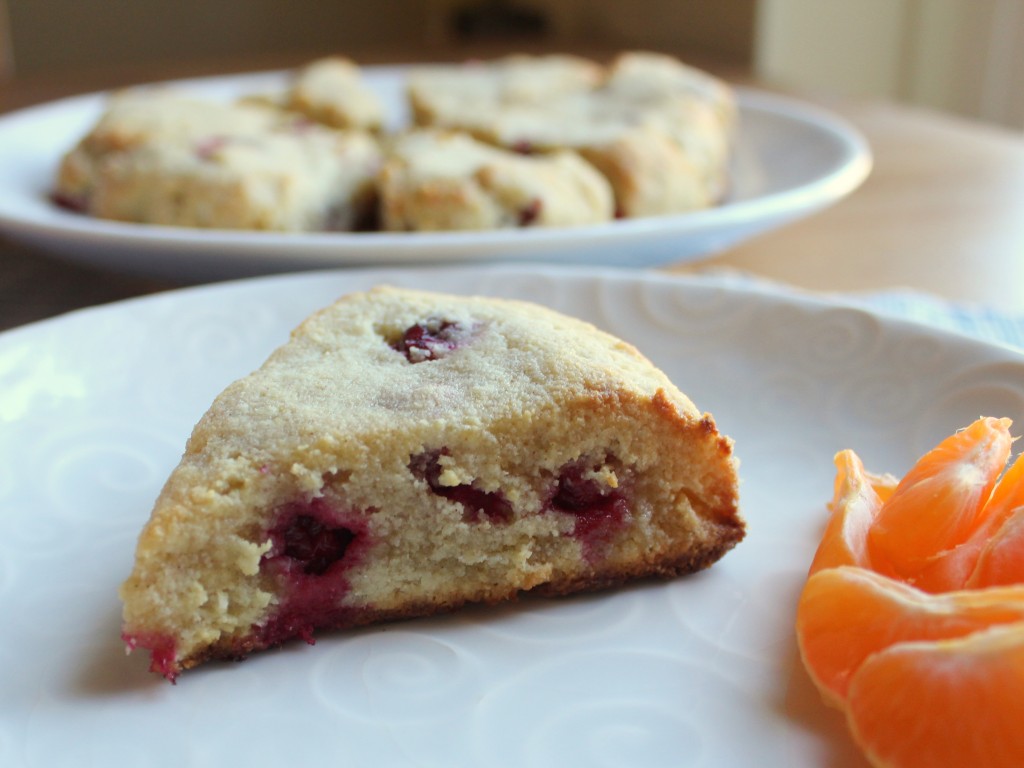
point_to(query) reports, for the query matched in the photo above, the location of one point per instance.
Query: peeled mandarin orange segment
(1002, 559)
(1008, 493)
(953, 569)
(855, 503)
(884, 484)
(846, 614)
(937, 504)
(943, 703)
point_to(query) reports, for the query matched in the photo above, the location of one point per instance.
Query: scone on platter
(159, 157)
(332, 91)
(660, 131)
(449, 181)
(406, 453)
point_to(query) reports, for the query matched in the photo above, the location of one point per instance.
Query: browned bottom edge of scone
(698, 559)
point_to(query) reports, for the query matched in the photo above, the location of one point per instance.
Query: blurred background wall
(965, 57)
(63, 34)
(961, 56)
(56, 34)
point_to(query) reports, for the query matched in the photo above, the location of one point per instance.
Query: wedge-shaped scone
(406, 453)
(449, 181)
(157, 157)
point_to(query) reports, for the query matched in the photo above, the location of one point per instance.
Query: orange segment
(952, 569)
(1002, 559)
(1008, 493)
(884, 484)
(855, 503)
(945, 703)
(847, 614)
(937, 504)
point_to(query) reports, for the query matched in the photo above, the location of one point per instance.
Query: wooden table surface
(942, 212)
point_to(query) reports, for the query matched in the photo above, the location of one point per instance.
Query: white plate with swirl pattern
(791, 160)
(701, 671)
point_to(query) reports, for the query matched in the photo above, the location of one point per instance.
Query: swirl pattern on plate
(395, 676)
(600, 704)
(569, 619)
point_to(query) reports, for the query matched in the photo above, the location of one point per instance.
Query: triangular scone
(406, 453)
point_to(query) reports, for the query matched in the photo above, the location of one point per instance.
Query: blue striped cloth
(979, 321)
(974, 320)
